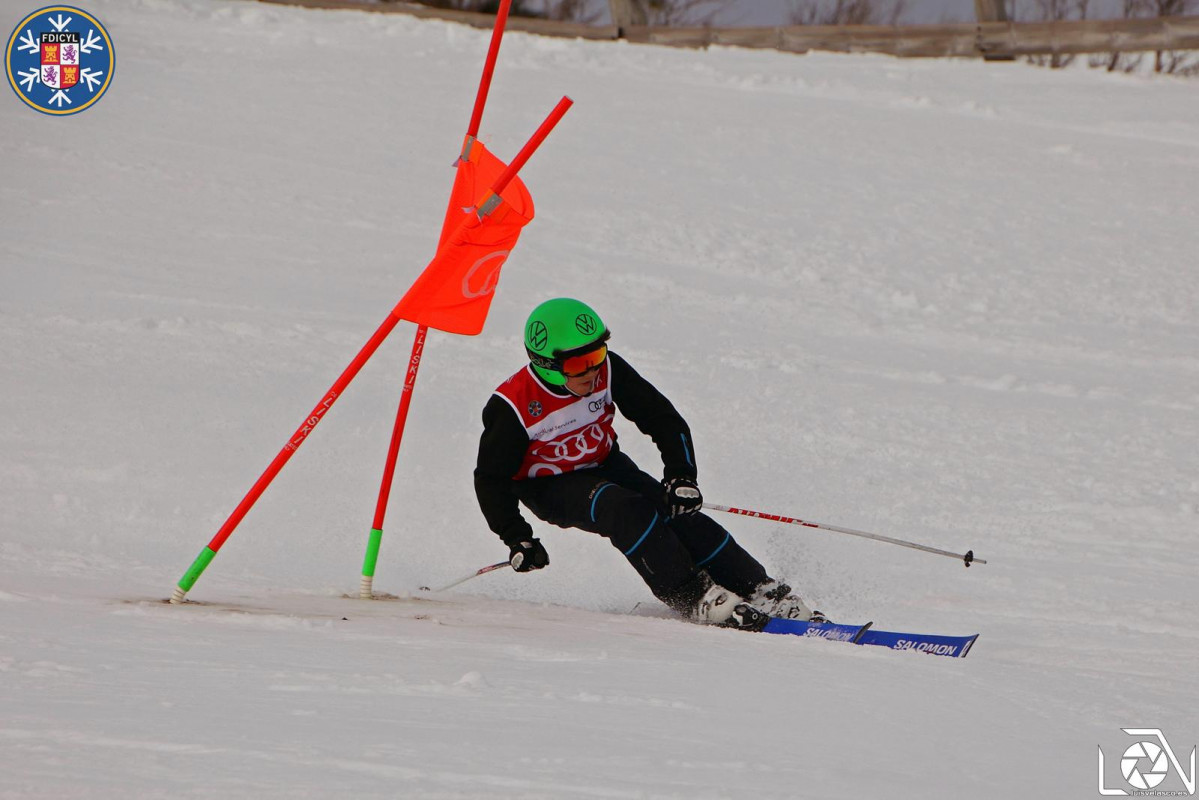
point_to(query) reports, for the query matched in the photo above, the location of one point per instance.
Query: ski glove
(528, 556)
(683, 496)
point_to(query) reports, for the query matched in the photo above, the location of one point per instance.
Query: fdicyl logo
(1146, 764)
(60, 60)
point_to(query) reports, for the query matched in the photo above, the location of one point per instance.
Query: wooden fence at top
(963, 40)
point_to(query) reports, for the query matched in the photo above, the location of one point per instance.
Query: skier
(548, 442)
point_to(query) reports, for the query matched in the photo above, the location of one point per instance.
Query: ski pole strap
(967, 558)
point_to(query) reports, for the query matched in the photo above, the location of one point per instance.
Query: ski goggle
(577, 366)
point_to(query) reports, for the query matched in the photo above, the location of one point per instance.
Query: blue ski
(822, 630)
(952, 646)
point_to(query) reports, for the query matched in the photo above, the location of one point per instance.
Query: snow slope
(952, 302)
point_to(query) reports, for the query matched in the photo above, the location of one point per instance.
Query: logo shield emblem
(60, 59)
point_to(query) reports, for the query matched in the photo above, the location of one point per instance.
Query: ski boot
(775, 599)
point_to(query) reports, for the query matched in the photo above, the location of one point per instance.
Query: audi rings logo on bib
(60, 60)
(574, 447)
(578, 450)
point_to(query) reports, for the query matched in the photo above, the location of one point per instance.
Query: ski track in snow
(947, 301)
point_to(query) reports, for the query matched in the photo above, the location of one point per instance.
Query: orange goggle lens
(578, 365)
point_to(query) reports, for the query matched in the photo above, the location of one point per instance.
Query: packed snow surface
(946, 301)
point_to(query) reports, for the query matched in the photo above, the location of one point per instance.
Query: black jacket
(504, 442)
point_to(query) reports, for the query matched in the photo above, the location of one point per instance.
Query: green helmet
(560, 328)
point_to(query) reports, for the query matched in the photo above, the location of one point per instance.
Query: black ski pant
(627, 506)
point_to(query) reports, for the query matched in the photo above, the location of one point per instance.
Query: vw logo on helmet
(585, 323)
(538, 335)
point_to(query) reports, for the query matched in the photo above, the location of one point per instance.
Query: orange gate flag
(454, 292)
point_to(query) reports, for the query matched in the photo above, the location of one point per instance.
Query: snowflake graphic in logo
(60, 60)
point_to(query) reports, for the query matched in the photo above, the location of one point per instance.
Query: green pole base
(365, 588)
(193, 574)
(372, 553)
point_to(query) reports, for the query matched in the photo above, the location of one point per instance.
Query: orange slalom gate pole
(366, 585)
(534, 142)
(493, 50)
(375, 538)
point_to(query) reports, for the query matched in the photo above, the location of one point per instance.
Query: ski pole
(475, 574)
(967, 558)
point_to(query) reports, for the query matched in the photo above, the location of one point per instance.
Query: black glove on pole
(528, 556)
(683, 496)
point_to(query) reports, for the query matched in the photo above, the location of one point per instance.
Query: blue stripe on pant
(727, 538)
(652, 523)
